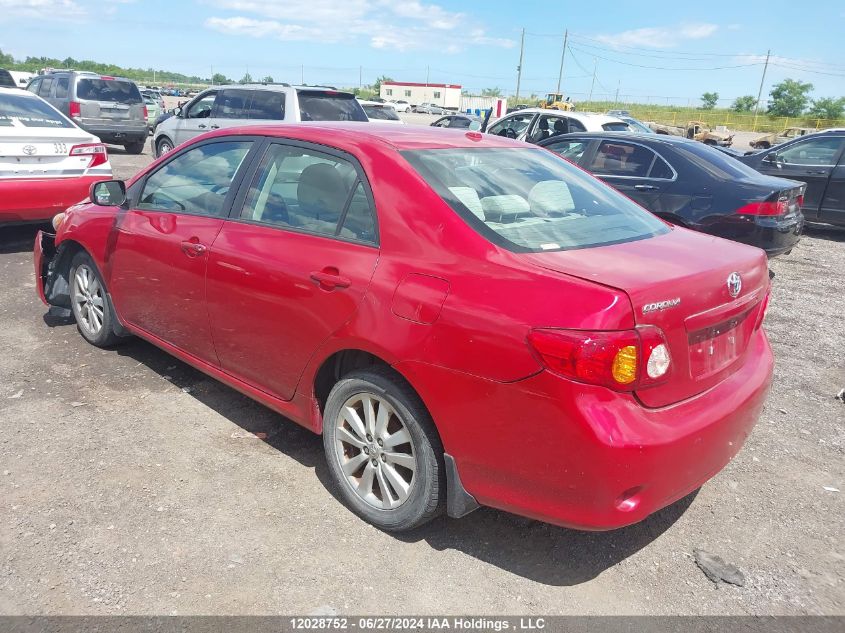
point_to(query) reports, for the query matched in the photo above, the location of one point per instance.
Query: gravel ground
(132, 484)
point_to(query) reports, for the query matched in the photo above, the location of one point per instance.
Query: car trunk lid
(27, 155)
(681, 282)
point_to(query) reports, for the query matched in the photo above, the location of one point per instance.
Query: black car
(692, 185)
(456, 121)
(6, 79)
(817, 160)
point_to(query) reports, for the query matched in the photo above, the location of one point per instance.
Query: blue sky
(662, 52)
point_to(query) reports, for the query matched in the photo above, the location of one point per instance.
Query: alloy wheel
(375, 451)
(88, 300)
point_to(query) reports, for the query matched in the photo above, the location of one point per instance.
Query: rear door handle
(193, 249)
(214, 127)
(329, 279)
(817, 171)
(201, 126)
(645, 187)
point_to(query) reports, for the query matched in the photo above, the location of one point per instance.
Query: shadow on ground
(825, 232)
(19, 239)
(534, 550)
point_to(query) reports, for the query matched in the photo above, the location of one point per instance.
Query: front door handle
(201, 126)
(193, 249)
(645, 187)
(818, 172)
(214, 127)
(329, 278)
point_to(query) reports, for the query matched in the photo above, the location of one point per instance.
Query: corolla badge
(29, 150)
(734, 284)
(661, 305)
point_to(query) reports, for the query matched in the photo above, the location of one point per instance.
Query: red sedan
(466, 319)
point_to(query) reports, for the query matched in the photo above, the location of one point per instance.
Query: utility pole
(760, 92)
(562, 55)
(212, 74)
(616, 100)
(302, 75)
(519, 68)
(593, 85)
(427, 72)
(360, 77)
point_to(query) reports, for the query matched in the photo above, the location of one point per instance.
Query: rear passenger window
(615, 158)
(232, 104)
(305, 190)
(34, 85)
(61, 87)
(46, 85)
(268, 105)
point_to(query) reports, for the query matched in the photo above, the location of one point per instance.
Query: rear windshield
(530, 200)
(381, 113)
(115, 90)
(6, 79)
(27, 111)
(617, 126)
(716, 163)
(319, 105)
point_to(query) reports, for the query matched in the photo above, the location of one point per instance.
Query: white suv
(535, 124)
(251, 104)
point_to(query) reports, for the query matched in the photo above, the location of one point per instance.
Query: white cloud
(659, 37)
(384, 24)
(49, 9)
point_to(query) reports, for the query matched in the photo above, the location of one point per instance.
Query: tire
(90, 303)
(763, 145)
(362, 465)
(134, 148)
(163, 146)
(710, 142)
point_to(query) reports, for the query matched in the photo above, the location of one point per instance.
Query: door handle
(214, 127)
(817, 171)
(193, 249)
(329, 278)
(645, 187)
(201, 126)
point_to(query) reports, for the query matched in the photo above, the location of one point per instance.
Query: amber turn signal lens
(624, 368)
(57, 220)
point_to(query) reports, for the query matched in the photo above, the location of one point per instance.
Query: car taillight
(764, 308)
(800, 201)
(144, 109)
(622, 360)
(764, 208)
(97, 152)
(75, 110)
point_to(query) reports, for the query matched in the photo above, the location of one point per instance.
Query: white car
(380, 112)
(430, 108)
(401, 105)
(47, 163)
(535, 124)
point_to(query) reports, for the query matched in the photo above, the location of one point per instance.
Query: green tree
(744, 104)
(6, 60)
(789, 98)
(379, 81)
(246, 79)
(268, 79)
(708, 100)
(219, 78)
(491, 92)
(827, 108)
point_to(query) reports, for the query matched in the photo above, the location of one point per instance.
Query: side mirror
(108, 193)
(177, 111)
(771, 157)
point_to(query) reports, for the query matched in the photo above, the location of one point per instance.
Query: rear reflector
(764, 208)
(97, 152)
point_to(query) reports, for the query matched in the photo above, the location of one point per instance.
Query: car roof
(581, 116)
(663, 139)
(16, 91)
(351, 135)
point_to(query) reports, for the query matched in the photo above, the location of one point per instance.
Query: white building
(445, 95)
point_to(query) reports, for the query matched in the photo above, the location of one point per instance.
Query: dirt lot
(130, 483)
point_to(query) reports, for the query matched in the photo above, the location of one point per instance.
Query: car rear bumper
(583, 456)
(38, 199)
(117, 134)
(775, 235)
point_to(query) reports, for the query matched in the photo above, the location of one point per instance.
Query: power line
(696, 68)
(652, 50)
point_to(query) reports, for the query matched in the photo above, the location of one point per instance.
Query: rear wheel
(90, 302)
(383, 451)
(134, 148)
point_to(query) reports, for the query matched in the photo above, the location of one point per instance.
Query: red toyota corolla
(465, 318)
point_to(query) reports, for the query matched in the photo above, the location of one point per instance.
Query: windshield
(637, 126)
(381, 113)
(616, 126)
(115, 90)
(320, 105)
(26, 111)
(716, 163)
(529, 200)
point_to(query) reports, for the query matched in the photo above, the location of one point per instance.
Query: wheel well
(58, 289)
(338, 365)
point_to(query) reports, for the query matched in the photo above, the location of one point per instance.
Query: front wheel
(90, 302)
(163, 146)
(384, 454)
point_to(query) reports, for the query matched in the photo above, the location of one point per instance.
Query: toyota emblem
(29, 150)
(734, 284)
